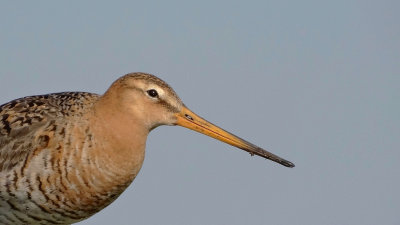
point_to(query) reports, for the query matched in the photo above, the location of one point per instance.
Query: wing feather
(22, 120)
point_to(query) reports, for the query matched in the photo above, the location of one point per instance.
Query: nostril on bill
(188, 117)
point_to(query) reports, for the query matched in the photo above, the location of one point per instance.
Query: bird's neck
(120, 140)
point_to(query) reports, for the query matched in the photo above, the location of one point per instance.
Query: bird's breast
(73, 172)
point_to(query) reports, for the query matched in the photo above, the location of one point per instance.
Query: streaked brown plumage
(66, 156)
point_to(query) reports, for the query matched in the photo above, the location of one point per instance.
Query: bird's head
(153, 102)
(147, 98)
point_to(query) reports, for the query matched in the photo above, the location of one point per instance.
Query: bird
(66, 156)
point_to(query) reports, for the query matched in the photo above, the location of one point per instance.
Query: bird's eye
(152, 93)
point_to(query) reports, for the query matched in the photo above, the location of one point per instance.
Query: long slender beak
(189, 119)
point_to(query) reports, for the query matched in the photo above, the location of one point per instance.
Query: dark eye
(152, 93)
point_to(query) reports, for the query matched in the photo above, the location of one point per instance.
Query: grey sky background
(316, 82)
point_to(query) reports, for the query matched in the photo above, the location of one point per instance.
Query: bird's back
(22, 118)
(27, 126)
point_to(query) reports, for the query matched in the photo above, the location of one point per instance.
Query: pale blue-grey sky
(316, 82)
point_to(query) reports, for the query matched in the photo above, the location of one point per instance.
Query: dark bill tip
(287, 163)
